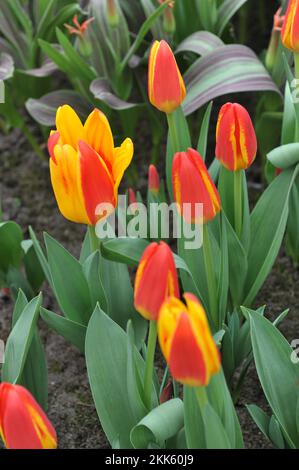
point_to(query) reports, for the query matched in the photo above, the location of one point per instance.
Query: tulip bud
(236, 146)
(274, 40)
(169, 23)
(167, 392)
(290, 29)
(166, 87)
(112, 13)
(23, 424)
(186, 341)
(153, 179)
(193, 185)
(156, 279)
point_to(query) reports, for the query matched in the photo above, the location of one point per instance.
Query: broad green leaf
(41, 257)
(277, 373)
(92, 272)
(159, 425)
(201, 43)
(19, 341)
(194, 425)
(285, 156)
(34, 271)
(229, 69)
(73, 332)
(267, 231)
(69, 283)
(261, 419)
(10, 245)
(106, 359)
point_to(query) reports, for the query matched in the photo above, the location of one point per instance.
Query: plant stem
(201, 395)
(210, 274)
(33, 142)
(238, 201)
(296, 60)
(149, 364)
(93, 238)
(175, 142)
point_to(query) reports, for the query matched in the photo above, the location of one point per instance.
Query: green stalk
(93, 238)
(175, 141)
(296, 60)
(149, 364)
(238, 202)
(210, 274)
(201, 395)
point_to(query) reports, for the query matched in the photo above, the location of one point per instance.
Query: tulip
(153, 180)
(112, 13)
(167, 392)
(236, 146)
(23, 424)
(272, 51)
(193, 185)
(290, 29)
(186, 341)
(86, 169)
(166, 87)
(156, 279)
(80, 30)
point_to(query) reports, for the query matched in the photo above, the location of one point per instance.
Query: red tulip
(193, 185)
(153, 179)
(156, 279)
(290, 29)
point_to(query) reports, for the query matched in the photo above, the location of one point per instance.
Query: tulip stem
(174, 138)
(94, 241)
(210, 274)
(296, 60)
(238, 201)
(149, 364)
(201, 395)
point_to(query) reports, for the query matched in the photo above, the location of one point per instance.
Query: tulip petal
(69, 126)
(52, 141)
(65, 177)
(96, 181)
(98, 135)
(186, 360)
(290, 30)
(122, 158)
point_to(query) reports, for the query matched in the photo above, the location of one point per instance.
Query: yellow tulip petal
(69, 126)
(99, 136)
(65, 177)
(122, 158)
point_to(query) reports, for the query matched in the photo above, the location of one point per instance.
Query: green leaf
(73, 332)
(69, 283)
(226, 11)
(10, 245)
(92, 272)
(204, 132)
(201, 43)
(159, 425)
(19, 341)
(261, 419)
(106, 359)
(285, 156)
(194, 425)
(34, 271)
(277, 373)
(267, 231)
(41, 256)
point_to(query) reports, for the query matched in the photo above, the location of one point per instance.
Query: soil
(27, 198)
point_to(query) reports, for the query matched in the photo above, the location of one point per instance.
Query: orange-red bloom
(166, 88)
(236, 140)
(156, 279)
(86, 169)
(78, 29)
(153, 179)
(290, 29)
(23, 424)
(192, 185)
(186, 341)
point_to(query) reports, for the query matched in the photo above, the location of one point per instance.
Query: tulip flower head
(23, 424)
(186, 341)
(86, 169)
(156, 279)
(193, 185)
(79, 29)
(290, 29)
(236, 146)
(166, 88)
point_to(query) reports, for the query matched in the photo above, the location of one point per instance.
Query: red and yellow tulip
(23, 424)
(156, 279)
(166, 88)
(186, 341)
(86, 168)
(290, 29)
(193, 185)
(236, 143)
